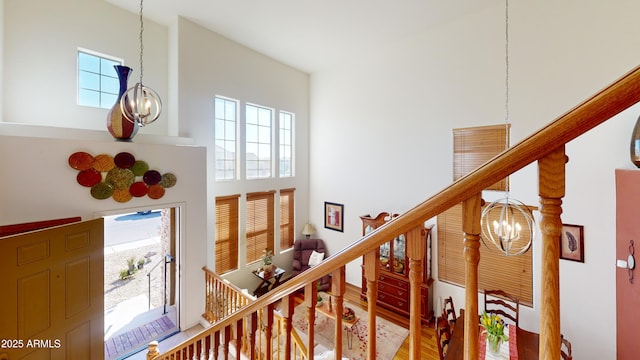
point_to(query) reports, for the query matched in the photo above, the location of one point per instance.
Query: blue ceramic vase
(118, 125)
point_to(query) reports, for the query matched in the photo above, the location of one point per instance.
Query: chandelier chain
(141, 43)
(506, 80)
(506, 59)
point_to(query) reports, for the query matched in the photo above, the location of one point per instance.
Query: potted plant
(494, 328)
(267, 262)
(124, 274)
(141, 262)
(131, 265)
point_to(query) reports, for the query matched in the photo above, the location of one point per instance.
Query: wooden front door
(52, 293)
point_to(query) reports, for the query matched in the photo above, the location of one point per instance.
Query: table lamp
(307, 230)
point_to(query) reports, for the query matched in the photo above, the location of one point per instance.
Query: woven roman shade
(474, 146)
(226, 244)
(260, 224)
(287, 223)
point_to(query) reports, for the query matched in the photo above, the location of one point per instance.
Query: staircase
(238, 331)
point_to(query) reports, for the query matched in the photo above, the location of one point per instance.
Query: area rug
(389, 336)
(121, 345)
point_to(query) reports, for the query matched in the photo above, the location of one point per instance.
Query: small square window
(98, 83)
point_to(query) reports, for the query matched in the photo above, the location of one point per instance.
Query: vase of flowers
(494, 329)
(267, 262)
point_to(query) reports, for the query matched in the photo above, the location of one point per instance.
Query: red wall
(627, 294)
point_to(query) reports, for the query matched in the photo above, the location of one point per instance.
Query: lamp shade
(308, 229)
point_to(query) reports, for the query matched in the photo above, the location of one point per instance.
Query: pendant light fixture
(507, 223)
(144, 105)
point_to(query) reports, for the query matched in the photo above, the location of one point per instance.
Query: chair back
(565, 348)
(449, 310)
(443, 336)
(302, 250)
(501, 303)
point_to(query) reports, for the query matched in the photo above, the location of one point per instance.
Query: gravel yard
(117, 290)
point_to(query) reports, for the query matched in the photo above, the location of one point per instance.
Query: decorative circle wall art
(120, 177)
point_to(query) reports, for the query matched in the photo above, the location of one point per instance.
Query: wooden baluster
(371, 274)
(287, 308)
(471, 214)
(269, 331)
(310, 300)
(416, 247)
(227, 340)
(253, 333)
(551, 187)
(338, 286)
(240, 340)
(216, 344)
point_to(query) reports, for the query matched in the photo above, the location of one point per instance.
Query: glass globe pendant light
(507, 223)
(141, 104)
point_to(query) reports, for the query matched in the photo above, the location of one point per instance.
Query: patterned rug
(124, 344)
(389, 336)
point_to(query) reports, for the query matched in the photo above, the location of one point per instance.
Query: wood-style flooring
(428, 349)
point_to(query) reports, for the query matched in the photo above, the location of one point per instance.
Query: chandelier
(507, 223)
(141, 104)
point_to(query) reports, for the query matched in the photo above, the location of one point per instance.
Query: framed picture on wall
(572, 242)
(333, 216)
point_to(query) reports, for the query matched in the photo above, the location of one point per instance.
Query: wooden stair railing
(222, 297)
(545, 146)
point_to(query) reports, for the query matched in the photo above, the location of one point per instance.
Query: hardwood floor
(428, 349)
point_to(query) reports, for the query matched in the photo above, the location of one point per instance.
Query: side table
(268, 281)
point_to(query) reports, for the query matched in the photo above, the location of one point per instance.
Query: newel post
(551, 179)
(416, 247)
(152, 350)
(471, 214)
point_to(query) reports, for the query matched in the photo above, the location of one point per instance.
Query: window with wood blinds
(474, 146)
(287, 223)
(513, 274)
(260, 224)
(226, 245)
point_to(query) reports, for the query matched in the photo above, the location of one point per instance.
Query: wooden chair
(443, 336)
(565, 348)
(449, 310)
(494, 302)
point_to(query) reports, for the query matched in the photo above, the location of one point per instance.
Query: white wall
(38, 184)
(381, 133)
(40, 59)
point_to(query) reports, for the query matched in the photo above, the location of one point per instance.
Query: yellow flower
(493, 326)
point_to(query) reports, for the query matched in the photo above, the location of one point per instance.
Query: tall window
(286, 144)
(226, 246)
(98, 83)
(225, 137)
(260, 224)
(287, 222)
(258, 146)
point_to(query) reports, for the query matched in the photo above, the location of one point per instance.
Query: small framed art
(333, 216)
(572, 242)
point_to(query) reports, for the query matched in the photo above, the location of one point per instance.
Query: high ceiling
(310, 34)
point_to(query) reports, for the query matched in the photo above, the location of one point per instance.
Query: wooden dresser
(393, 279)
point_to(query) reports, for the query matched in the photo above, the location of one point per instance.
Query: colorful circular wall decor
(120, 177)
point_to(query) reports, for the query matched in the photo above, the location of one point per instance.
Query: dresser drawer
(390, 300)
(399, 292)
(393, 281)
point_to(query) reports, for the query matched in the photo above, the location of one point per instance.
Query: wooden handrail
(612, 100)
(597, 109)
